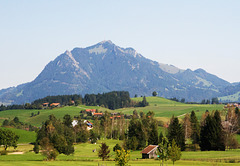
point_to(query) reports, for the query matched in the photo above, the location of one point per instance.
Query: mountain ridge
(106, 67)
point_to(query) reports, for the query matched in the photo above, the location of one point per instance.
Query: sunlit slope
(163, 109)
(167, 108)
(24, 136)
(25, 115)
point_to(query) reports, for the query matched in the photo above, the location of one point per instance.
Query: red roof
(98, 114)
(116, 117)
(148, 149)
(55, 104)
(90, 110)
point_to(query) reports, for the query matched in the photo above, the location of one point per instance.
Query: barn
(149, 152)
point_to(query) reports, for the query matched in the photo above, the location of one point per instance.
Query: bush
(117, 147)
(4, 152)
(36, 148)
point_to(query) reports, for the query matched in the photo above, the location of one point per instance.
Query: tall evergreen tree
(175, 131)
(153, 133)
(220, 142)
(144, 102)
(212, 135)
(195, 135)
(160, 139)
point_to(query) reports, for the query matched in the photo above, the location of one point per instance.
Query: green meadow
(84, 155)
(164, 109)
(24, 136)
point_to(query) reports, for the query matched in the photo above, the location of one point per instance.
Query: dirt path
(16, 153)
(181, 115)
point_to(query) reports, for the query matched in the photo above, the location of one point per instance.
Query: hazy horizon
(187, 34)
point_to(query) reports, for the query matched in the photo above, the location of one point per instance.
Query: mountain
(231, 93)
(106, 67)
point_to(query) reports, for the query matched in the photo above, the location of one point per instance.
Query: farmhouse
(116, 117)
(45, 105)
(55, 105)
(149, 152)
(88, 123)
(91, 110)
(98, 114)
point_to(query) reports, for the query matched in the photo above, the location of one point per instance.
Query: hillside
(107, 67)
(163, 109)
(24, 136)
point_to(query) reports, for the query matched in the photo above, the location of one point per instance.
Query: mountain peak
(200, 70)
(106, 41)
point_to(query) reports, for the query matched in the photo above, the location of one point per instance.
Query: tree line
(211, 133)
(112, 100)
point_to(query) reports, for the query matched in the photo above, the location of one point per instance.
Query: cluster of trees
(23, 106)
(142, 130)
(212, 136)
(111, 127)
(55, 137)
(15, 122)
(8, 138)
(63, 99)
(208, 101)
(209, 134)
(112, 100)
(122, 156)
(168, 150)
(178, 100)
(214, 100)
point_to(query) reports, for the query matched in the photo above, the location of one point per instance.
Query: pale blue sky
(187, 34)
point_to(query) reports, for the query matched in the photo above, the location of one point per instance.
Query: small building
(74, 123)
(45, 105)
(98, 114)
(149, 152)
(116, 117)
(87, 122)
(91, 111)
(55, 105)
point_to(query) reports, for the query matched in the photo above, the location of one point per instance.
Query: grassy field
(163, 109)
(24, 136)
(84, 155)
(25, 115)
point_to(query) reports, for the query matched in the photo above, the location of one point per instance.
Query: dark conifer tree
(67, 120)
(175, 131)
(160, 139)
(220, 135)
(212, 135)
(153, 133)
(195, 136)
(206, 135)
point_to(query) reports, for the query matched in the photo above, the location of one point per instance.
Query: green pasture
(163, 109)
(84, 155)
(25, 115)
(24, 136)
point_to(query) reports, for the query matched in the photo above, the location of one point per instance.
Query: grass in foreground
(84, 155)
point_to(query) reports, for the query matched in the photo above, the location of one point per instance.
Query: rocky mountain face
(106, 67)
